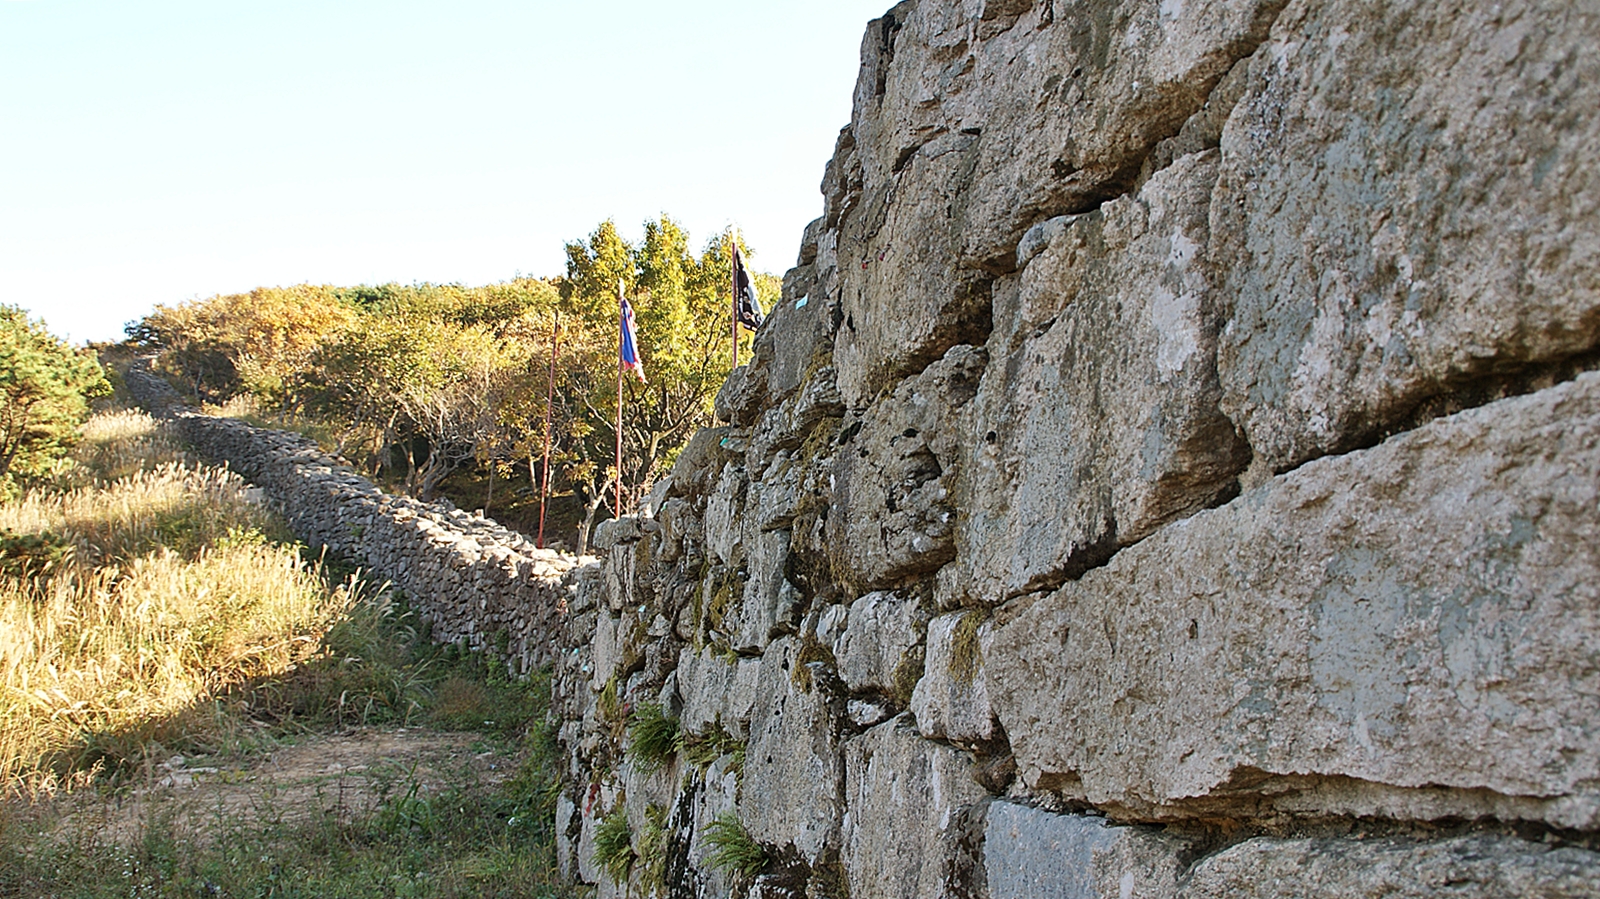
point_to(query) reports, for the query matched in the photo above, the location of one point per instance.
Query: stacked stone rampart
(1172, 470)
(474, 582)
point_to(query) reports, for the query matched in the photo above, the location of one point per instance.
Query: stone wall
(473, 581)
(1173, 470)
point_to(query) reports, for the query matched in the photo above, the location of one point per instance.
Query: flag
(629, 351)
(746, 310)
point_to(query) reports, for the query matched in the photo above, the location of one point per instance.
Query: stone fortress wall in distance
(474, 582)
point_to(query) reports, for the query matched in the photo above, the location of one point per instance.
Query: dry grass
(119, 443)
(153, 617)
(164, 590)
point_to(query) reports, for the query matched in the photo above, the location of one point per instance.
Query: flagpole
(549, 421)
(621, 335)
(733, 297)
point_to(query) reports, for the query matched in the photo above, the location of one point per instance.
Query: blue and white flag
(629, 352)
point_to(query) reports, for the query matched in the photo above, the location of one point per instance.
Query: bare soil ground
(342, 775)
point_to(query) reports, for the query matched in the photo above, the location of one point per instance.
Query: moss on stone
(906, 674)
(966, 654)
(811, 651)
(818, 438)
(727, 588)
(652, 862)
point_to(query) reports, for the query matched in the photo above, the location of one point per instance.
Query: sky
(157, 151)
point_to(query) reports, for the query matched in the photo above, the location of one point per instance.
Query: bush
(733, 849)
(653, 737)
(45, 387)
(613, 845)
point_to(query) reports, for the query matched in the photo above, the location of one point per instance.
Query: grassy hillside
(163, 639)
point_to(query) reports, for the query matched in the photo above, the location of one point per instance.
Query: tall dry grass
(161, 588)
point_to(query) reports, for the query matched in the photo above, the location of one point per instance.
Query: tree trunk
(489, 496)
(591, 506)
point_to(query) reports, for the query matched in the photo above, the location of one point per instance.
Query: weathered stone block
(938, 304)
(724, 514)
(793, 769)
(951, 701)
(1415, 624)
(881, 629)
(704, 679)
(909, 827)
(716, 793)
(1384, 247)
(894, 483)
(796, 339)
(1098, 419)
(1029, 853)
(765, 603)
(1484, 866)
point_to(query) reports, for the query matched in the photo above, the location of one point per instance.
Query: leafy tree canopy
(45, 386)
(430, 377)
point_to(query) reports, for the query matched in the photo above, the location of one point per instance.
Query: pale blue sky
(154, 151)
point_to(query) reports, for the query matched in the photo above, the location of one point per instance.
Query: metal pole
(733, 295)
(621, 324)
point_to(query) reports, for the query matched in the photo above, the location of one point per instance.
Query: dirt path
(344, 775)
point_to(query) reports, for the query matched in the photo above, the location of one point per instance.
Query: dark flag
(746, 309)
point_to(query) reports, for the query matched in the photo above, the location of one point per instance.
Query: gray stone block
(1484, 866)
(1407, 631)
(910, 807)
(1029, 853)
(1406, 204)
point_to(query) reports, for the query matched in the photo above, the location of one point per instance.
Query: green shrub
(613, 846)
(733, 849)
(653, 737)
(703, 749)
(32, 555)
(653, 852)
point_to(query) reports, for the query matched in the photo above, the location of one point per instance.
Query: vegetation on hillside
(152, 612)
(424, 384)
(45, 386)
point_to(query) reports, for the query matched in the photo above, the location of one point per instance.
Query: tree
(430, 388)
(682, 308)
(254, 342)
(45, 386)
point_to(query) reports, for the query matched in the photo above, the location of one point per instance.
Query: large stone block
(1097, 420)
(895, 514)
(716, 690)
(904, 244)
(715, 794)
(769, 602)
(1406, 206)
(1485, 866)
(724, 517)
(968, 129)
(793, 787)
(951, 701)
(910, 810)
(1408, 630)
(881, 629)
(1030, 853)
(1065, 101)
(797, 337)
